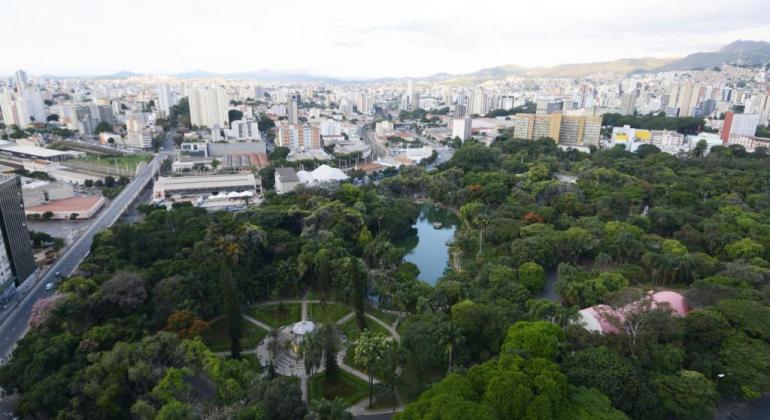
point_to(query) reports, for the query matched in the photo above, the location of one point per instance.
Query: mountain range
(738, 52)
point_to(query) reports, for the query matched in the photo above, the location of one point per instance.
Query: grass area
(387, 317)
(351, 330)
(218, 339)
(123, 162)
(328, 313)
(276, 314)
(343, 385)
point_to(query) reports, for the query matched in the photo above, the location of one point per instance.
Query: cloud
(359, 39)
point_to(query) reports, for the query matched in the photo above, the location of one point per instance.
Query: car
(58, 274)
(49, 286)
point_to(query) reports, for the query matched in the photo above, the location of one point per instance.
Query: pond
(428, 244)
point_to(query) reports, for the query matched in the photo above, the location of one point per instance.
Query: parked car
(49, 286)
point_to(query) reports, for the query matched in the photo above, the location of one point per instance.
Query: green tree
(532, 276)
(537, 339)
(102, 127)
(370, 352)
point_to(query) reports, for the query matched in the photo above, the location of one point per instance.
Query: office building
(16, 261)
(564, 130)
(738, 124)
(208, 107)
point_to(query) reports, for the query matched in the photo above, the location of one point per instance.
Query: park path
(360, 407)
(385, 325)
(345, 318)
(256, 322)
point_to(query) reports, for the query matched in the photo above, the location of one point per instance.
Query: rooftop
(287, 174)
(68, 205)
(33, 151)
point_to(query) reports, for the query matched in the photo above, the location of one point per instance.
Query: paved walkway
(258, 323)
(345, 318)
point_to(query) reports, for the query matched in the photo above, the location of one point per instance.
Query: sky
(361, 38)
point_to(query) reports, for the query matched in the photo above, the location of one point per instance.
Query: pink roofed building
(598, 318)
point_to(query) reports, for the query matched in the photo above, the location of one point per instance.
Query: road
(14, 326)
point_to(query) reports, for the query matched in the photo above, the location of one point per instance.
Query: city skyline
(358, 41)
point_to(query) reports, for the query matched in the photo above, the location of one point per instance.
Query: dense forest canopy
(121, 340)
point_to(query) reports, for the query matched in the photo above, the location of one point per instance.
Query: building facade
(15, 236)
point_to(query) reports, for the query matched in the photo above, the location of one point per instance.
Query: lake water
(427, 246)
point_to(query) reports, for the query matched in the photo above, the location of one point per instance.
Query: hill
(741, 52)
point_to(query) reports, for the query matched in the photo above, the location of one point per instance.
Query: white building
(34, 102)
(164, 101)
(286, 180)
(208, 107)
(461, 127)
(331, 128)
(14, 109)
(245, 129)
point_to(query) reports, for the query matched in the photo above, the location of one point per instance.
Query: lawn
(350, 329)
(122, 162)
(328, 313)
(387, 317)
(276, 315)
(217, 338)
(343, 385)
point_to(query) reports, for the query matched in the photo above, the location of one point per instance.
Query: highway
(14, 325)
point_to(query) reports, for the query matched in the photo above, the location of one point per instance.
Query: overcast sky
(359, 38)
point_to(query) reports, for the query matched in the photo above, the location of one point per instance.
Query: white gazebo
(298, 332)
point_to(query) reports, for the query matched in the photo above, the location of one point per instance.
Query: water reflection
(428, 245)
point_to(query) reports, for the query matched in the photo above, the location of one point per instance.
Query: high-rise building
(685, 96)
(477, 102)
(16, 261)
(291, 108)
(628, 105)
(87, 117)
(14, 109)
(738, 124)
(208, 107)
(564, 130)
(298, 136)
(35, 107)
(164, 101)
(21, 80)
